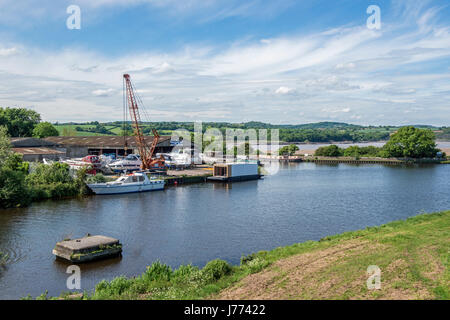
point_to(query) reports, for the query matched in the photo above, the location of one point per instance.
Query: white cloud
(103, 92)
(347, 73)
(4, 52)
(284, 90)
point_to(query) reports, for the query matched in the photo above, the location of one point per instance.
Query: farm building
(96, 145)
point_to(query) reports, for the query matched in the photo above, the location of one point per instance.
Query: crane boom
(145, 151)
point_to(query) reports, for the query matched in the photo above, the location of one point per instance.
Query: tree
(411, 142)
(13, 191)
(290, 150)
(20, 122)
(352, 151)
(44, 130)
(330, 151)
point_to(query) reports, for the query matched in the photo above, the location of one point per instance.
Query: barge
(89, 248)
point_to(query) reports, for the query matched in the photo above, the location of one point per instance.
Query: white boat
(132, 162)
(181, 158)
(135, 182)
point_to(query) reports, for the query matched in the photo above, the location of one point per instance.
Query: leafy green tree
(44, 130)
(411, 142)
(13, 190)
(290, 150)
(330, 151)
(352, 151)
(20, 122)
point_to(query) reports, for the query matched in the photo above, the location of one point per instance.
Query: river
(199, 222)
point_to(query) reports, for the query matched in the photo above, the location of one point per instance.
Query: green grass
(417, 242)
(68, 129)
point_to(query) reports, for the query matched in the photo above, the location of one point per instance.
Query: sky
(282, 62)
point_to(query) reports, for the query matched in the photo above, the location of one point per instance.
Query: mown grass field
(413, 256)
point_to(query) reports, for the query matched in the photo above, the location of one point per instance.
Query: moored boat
(135, 182)
(132, 162)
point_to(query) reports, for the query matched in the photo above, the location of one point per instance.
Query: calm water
(197, 223)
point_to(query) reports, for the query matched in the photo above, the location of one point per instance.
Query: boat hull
(112, 189)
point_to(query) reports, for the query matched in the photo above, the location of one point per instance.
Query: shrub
(217, 269)
(98, 178)
(256, 265)
(183, 272)
(13, 190)
(117, 286)
(52, 181)
(158, 272)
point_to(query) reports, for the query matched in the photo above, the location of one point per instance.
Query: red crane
(145, 151)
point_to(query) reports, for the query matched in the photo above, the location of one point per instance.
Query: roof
(102, 141)
(37, 151)
(30, 142)
(88, 242)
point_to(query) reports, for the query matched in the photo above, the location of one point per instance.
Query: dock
(88, 248)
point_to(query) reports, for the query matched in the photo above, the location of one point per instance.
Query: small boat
(92, 162)
(132, 162)
(135, 182)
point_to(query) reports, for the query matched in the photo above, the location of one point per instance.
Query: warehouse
(76, 147)
(33, 149)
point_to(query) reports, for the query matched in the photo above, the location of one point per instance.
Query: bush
(217, 269)
(98, 178)
(52, 181)
(158, 272)
(116, 287)
(13, 190)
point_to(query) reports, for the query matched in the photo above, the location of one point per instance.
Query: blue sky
(213, 60)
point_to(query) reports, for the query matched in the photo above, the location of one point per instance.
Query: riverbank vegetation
(20, 184)
(412, 254)
(407, 142)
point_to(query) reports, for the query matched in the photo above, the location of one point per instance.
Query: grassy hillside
(413, 256)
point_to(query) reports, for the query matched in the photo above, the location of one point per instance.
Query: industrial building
(75, 147)
(33, 149)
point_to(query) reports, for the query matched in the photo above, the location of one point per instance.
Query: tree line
(407, 142)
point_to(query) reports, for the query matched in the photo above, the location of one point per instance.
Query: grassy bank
(413, 256)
